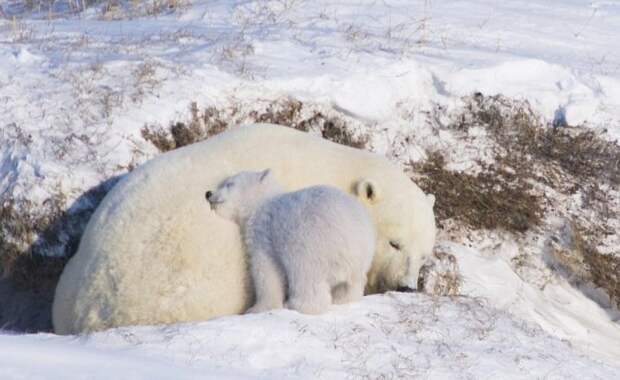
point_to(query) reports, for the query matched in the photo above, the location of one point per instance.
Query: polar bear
(154, 252)
(302, 246)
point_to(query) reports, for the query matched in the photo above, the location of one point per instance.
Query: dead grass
(335, 130)
(21, 32)
(531, 155)
(441, 275)
(145, 80)
(201, 126)
(604, 271)
(21, 269)
(109, 9)
(573, 250)
(563, 153)
(287, 112)
(37, 240)
(19, 228)
(527, 152)
(492, 199)
(157, 7)
(582, 154)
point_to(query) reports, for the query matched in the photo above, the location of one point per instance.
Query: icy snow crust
(76, 90)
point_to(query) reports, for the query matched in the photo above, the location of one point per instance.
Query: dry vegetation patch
(200, 126)
(36, 241)
(108, 9)
(525, 143)
(538, 168)
(527, 154)
(288, 112)
(493, 198)
(604, 271)
(441, 276)
(573, 250)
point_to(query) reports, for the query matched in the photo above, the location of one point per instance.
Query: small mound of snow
(550, 87)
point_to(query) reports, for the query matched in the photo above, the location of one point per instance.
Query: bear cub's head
(238, 196)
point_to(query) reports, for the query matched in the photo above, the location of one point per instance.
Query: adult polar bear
(154, 252)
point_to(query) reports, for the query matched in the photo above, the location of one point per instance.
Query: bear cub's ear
(265, 174)
(367, 190)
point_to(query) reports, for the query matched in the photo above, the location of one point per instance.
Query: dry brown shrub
(289, 114)
(36, 241)
(21, 268)
(286, 112)
(200, 126)
(605, 272)
(494, 198)
(35, 238)
(526, 150)
(335, 130)
(581, 153)
(573, 250)
(566, 158)
(524, 141)
(19, 225)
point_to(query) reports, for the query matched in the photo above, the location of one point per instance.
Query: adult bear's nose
(405, 289)
(208, 194)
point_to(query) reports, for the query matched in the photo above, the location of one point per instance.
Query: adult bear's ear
(367, 191)
(265, 174)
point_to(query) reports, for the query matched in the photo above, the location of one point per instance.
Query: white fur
(303, 245)
(154, 252)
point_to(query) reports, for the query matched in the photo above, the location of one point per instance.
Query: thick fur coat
(154, 252)
(310, 248)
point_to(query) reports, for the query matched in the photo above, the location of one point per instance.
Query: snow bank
(557, 307)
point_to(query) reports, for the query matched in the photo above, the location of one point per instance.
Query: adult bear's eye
(395, 245)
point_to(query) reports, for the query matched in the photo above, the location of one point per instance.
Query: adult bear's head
(405, 224)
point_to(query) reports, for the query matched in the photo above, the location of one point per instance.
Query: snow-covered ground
(76, 90)
(383, 337)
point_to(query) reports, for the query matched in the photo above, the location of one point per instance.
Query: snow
(558, 308)
(388, 336)
(76, 89)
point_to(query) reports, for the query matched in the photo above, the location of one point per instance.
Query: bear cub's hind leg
(351, 291)
(309, 297)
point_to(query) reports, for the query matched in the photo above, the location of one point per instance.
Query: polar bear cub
(307, 249)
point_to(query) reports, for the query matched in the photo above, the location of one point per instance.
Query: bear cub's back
(320, 216)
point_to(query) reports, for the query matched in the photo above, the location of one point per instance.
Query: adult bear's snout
(208, 194)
